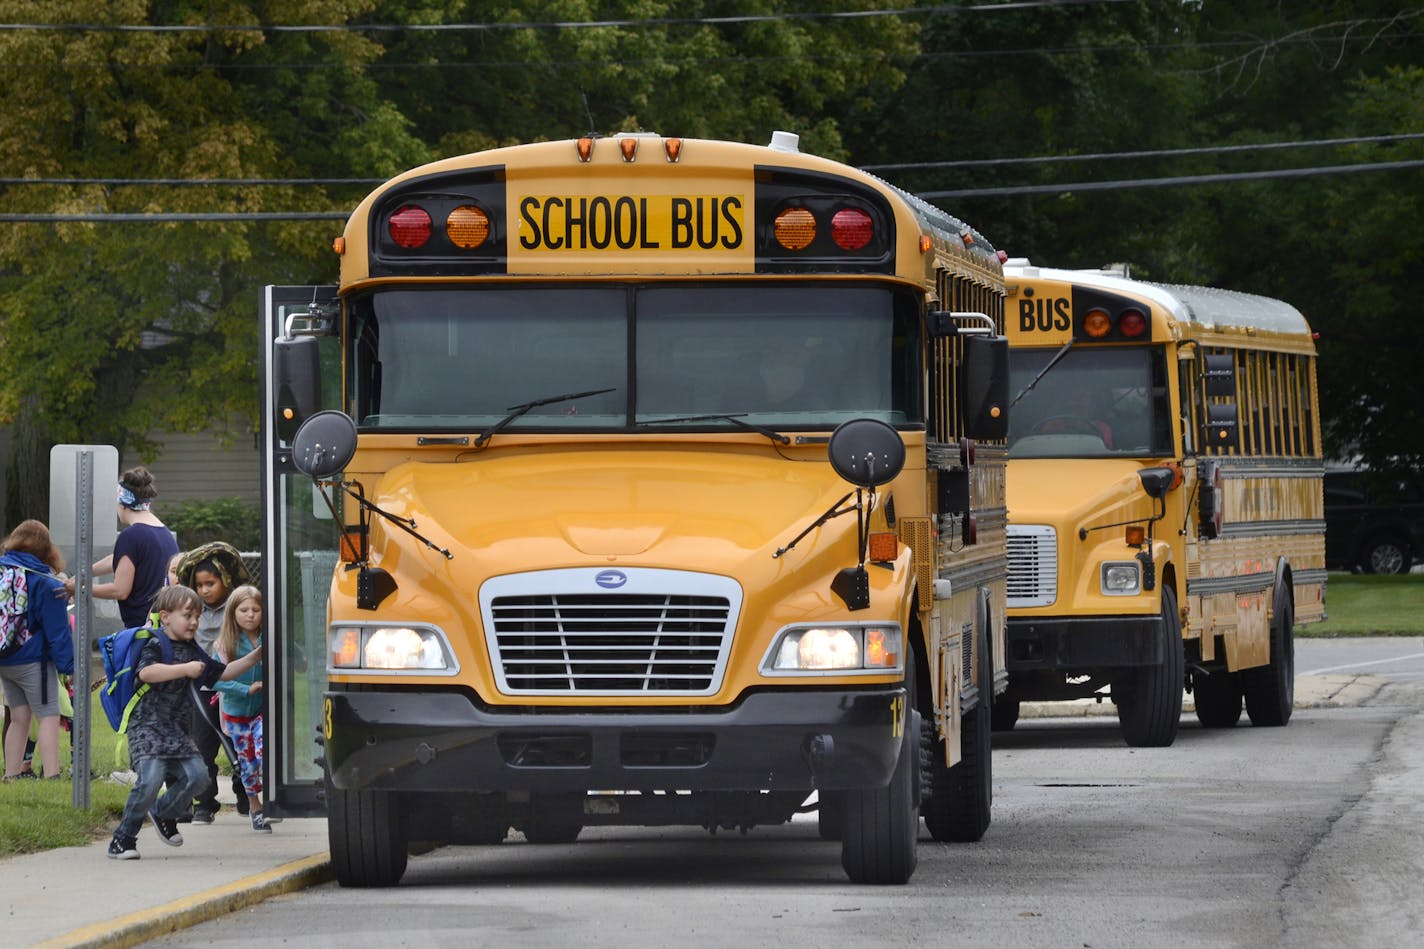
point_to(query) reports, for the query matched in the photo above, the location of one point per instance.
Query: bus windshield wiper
(517, 410)
(1042, 372)
(736, 420)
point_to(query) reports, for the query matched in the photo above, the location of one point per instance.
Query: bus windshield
(1093, 403)
(787, 356)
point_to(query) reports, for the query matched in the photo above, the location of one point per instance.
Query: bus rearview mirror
(296, 375)
(984, 387)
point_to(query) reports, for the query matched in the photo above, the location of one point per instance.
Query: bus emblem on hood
(611, 579)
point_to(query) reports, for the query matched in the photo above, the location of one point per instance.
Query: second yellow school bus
(1164, 485)
(674, 483)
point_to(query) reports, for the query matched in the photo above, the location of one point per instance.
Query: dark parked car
(1373, 522)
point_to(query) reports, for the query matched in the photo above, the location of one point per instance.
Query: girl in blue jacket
(37, 642)
(241, 698)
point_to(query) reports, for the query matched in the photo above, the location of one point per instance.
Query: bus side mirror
(1156, 481)
(296, 374)
(324, 445)
(984, 387)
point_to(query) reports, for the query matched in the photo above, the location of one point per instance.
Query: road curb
(1311, 691)
(144, 925)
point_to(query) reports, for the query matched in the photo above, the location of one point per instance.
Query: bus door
(299, 544)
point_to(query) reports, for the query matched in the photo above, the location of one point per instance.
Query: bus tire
(367, 837)
(1149, 710)
(958, 806)
(882, 825)
(548, 821)
(1218, 699)
(1270, 689)
(1005, 714)
(830, 814)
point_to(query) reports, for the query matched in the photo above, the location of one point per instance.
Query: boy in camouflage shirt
(159, 741)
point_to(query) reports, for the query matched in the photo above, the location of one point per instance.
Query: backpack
(14, 610)
(119, 653)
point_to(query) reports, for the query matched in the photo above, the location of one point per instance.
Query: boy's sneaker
(123, 848)
(259, 823)
(202, 817)
(167, 829)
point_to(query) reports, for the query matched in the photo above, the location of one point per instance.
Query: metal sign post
(83, 622)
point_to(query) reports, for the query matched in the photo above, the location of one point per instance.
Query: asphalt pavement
(76, 896)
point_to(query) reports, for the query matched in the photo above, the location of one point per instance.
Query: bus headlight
(389, 648)
(1121, 578)
(836, 649)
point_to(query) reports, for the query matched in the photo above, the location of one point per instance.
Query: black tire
(1385, 555)
(1218, 699)
(367, 836)
(548, 821)
(958, 806)
(882, 825)
(1149, 703)
(1005, 714)
(830, 814)
(1270, 690)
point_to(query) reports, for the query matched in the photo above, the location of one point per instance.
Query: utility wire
(544, 25)
(1171, 182)
(1158, 153)
(897, 166)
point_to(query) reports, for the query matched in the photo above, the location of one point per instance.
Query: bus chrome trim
(1236, 583)
(597, 631)
(1033, 565)
(1271, 528)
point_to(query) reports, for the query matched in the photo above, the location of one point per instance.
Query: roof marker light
(629, 148)
(585, 148)
(672, 147)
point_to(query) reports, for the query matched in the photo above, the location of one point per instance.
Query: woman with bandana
(144, 546)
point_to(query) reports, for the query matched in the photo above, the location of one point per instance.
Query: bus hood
(1074, 493)
(703, 508)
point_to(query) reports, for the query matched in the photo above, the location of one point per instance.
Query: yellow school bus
(1164, 483)
(669, 482)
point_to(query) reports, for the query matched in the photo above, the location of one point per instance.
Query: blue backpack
(119, 652)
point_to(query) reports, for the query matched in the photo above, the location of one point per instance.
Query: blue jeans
(184, 776)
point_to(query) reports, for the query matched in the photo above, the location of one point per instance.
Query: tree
(111, 332)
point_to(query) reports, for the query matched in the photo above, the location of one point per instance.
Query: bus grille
(1033, 565)
(610, 643)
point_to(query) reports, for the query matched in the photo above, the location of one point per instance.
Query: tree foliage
(114, 332)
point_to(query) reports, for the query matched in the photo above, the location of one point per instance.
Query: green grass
(40, 815)
(1368, 605)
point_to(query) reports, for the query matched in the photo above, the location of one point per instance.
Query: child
(159, 743)
(242, 697)
(213, 570)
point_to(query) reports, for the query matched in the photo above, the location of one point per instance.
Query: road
(1304, 836)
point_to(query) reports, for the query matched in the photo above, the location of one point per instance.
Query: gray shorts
(22, 687)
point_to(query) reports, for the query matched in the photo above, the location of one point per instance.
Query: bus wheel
(1149, 710)
(1005, 713)
(549, 822)
(958, 805)
(1270, 689)
(882, 825)
(367, 837)
(1218, 699)
(830, 814)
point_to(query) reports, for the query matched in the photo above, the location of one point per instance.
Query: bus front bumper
(444, 741)
(1085, 643)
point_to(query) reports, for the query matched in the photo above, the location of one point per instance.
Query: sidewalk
(76, 896)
